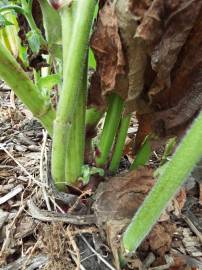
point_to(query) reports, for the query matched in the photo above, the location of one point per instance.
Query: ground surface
(29, 243)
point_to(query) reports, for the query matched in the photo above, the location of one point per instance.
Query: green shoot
(120, 142)
(143, 154)
(17, 79)
(111, 124)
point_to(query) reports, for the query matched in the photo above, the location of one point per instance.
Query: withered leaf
(180, 102)
(117, 200)
(121, 59)
(153, 66)
(138, 8)
(121, 196)
(165, 29)
(136, 58)
(107, 47)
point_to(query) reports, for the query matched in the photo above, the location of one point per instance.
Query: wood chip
(3, 217)
(11, 194)
(50, 216)
(34, 263)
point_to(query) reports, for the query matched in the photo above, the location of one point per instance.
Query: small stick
(75, 248)
(48, 216)
(193, 227)
(11, 194)
(42, 172)
(97, 254)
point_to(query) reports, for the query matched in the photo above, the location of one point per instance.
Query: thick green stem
(111, 124)
(67, 28)
(16, 78)
(120, 142)
(72, 76)
(75, 150)
(186, 157)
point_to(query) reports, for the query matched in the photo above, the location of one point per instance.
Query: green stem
(143, 155)
(18, 9)
(111, 124)
(27, 7)
(188, 153)
(67, 28)
(93, 116)
(120, 142)
(53, 32)
(16, 78)
(72, 76)
(75, 150)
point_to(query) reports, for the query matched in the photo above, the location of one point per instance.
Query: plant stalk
(72, 76)
(111, 124)
(17, 79)
(120, 142)
(75, 150)
(143, 155)
(188, 153)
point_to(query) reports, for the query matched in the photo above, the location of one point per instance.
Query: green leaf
(23, 55)
(91, 57)
(87, 171)
(48, 82)
(4, 22)
(85, 174)
(143, 155)
(91, 60)
(34, 41)
(96, 11)
(168, 149)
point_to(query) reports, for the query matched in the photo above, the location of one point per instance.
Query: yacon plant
(68, 27)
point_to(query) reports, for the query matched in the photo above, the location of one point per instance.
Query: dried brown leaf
(160, 238)
(182, 97)
(138, 8)
(107, 47)
(132, 84)
(116, 202)
(183, 262)
(121, 59)
(165, 29)
(121, 196)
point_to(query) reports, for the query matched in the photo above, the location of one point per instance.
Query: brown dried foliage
(149, 53)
